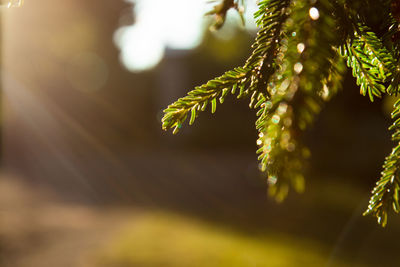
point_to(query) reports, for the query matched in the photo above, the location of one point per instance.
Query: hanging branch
(385, 196)
(242, 80)
(296, 65)
(371, 62)
(297, 95)
(220, 10)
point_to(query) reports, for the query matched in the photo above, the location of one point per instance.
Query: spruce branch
(297, 64)
(385, 195)
(333, 83)
(372, 63)
(220, 10)
(198, 99)
(246, 80)
(297, 95)
(369, 77)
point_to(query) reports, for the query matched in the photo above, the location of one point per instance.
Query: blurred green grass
(162, 239)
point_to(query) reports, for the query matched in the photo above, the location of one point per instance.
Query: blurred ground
(160, 239)
(36, 229)
(197, 215)
(39, 229)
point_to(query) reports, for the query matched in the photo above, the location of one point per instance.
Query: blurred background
(89, 178)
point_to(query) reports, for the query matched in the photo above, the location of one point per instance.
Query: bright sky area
(176, 24)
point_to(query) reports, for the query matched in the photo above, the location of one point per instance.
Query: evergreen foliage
(297, 64)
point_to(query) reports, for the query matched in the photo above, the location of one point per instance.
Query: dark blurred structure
(70, 103)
